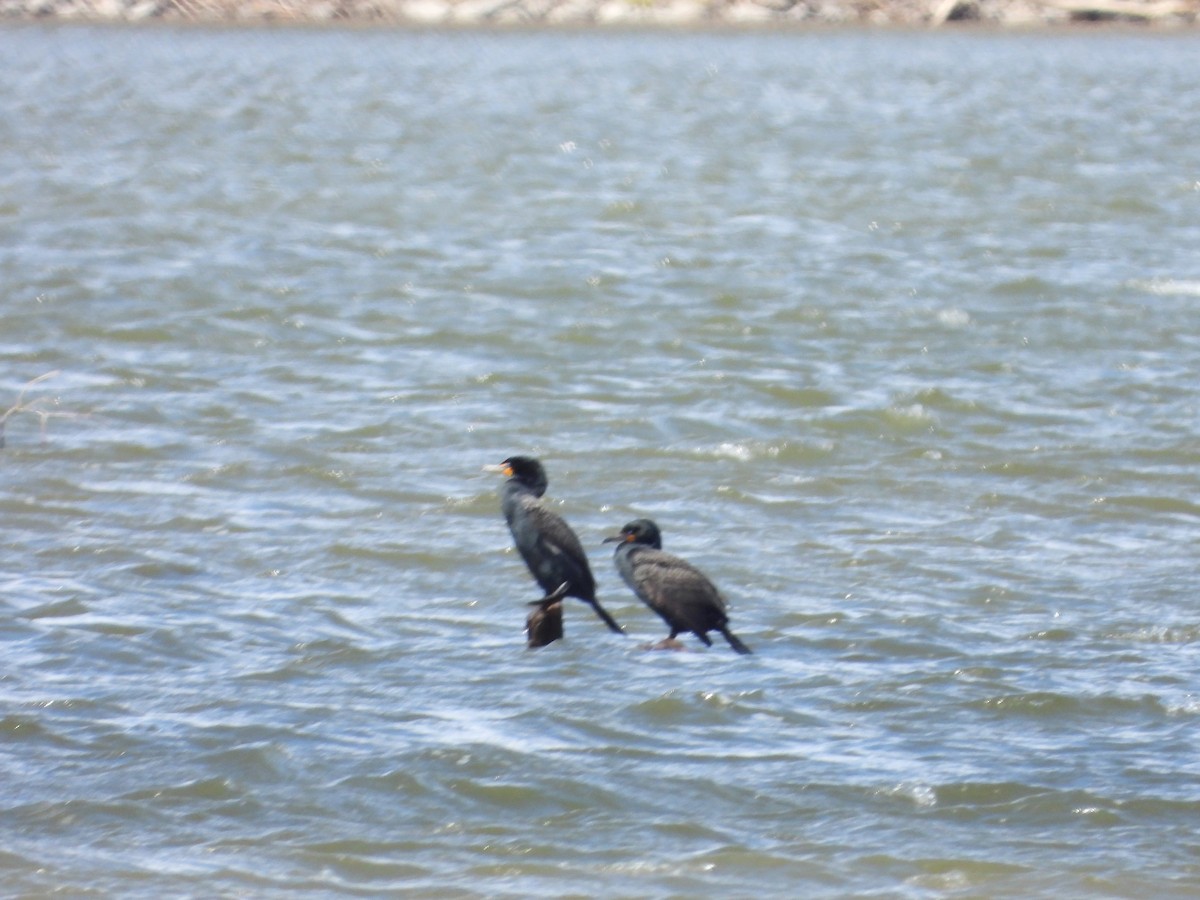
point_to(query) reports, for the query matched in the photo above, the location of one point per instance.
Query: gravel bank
(616, 13)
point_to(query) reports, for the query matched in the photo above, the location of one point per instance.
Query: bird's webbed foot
(667, 643)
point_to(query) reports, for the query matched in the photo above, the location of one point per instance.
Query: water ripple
(886, 353)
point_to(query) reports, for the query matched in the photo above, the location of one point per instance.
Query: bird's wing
(660, 578)
(556, 539)
(554, 530)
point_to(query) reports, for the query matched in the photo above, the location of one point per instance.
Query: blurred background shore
(618, 13)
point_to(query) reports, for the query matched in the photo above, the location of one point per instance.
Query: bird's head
(639, 531)
(525, 469)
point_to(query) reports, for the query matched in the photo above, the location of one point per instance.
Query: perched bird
(676, 590)
(546, 542)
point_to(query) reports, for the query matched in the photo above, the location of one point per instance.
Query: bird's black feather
(551, 550)
(675, 589)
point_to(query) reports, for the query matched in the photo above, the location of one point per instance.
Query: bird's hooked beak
(617, 538)
(501, 469)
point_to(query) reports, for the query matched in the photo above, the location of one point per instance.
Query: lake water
(895, 335)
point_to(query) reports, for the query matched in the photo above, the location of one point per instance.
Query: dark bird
(546, 542)
(675, 589)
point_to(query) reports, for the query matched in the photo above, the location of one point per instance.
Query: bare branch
(35, 407)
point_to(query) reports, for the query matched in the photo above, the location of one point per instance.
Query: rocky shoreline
(615, 13)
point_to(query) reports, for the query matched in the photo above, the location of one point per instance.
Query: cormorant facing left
(675, 589)
(550, 548)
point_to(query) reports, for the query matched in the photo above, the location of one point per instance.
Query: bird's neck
(513, 486)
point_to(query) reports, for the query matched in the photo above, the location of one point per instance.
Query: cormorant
(546, 542)
(679, 592)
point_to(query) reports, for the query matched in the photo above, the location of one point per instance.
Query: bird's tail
(734, 642)
(608, 620)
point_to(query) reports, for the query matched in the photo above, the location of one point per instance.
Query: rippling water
(895, 335)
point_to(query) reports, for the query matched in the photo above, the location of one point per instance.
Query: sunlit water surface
(896, 336)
